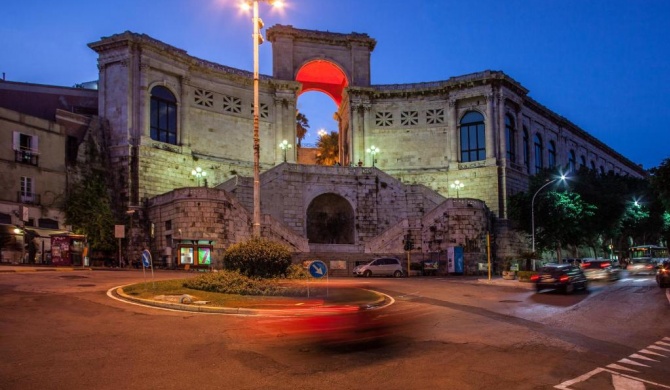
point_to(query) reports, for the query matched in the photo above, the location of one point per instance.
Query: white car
(383, 266)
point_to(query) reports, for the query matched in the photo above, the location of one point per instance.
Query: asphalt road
(61, 330)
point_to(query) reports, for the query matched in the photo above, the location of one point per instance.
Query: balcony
(23, 156)
(28, 198)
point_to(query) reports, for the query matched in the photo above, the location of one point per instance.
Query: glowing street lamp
(198, 173)
(373, 150)
(257, 39)
(284, 145)
(532, 207)
(322, 133)
(457, 185)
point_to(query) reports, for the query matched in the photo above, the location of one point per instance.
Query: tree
(328, 149)
(301, 126)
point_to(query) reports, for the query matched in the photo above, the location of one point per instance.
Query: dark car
(663, 274)
(564, 277)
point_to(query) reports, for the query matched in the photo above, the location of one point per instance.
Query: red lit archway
(323, 76)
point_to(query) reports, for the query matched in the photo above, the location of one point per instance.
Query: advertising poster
(204, 256)
(186, 255)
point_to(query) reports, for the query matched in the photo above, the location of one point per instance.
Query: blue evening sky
(603, 64)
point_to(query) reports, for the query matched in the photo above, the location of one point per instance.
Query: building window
(25, 148)
(203, 98)
(168, 225)
(582, 162)
(47, 223)
(383, 119)
(163, 115)
(571, 161)
(510, 138)
(233, 105)
(27, 194)
(435, 117)
(593, 165)
(539, 149)
(473, 141)
(409, 118)
(526, 149)
(551, 152)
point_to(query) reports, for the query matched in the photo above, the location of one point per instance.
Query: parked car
(564, 277)
(663, 274)
(383, 266)
(600, 270)
(641, 266)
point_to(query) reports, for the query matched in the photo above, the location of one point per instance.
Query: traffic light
(409, 243)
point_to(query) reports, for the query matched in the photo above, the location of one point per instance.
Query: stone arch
(330, 220)
(323, 76)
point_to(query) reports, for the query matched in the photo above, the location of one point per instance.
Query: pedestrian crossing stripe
(620, 378)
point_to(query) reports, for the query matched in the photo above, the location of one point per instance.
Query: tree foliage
(328, 149)
(301, 126)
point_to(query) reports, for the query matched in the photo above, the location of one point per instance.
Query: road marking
(667, 294)
(624, 381)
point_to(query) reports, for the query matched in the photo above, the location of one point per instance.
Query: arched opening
(319, 99)
(330, 220)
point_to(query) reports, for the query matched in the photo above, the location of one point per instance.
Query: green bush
(258, 257)
(232, 282)
(524, 276)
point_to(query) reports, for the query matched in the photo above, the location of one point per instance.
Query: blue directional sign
(146, 258)
(318, 269)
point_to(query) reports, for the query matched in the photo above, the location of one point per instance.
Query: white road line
(659, 348)
(638, 356)
(648, 352)
(628, 361)
(618, 367)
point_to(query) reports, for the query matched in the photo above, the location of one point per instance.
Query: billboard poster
(204, 256)
(186, 255)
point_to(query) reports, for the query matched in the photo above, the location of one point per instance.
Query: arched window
(602, 170)
(582, 162)
(551, 149)
(593, 165)
(510, 138)
(539, 149)
(163, 115)
(526, 149)
(571, 161)
(473, 141)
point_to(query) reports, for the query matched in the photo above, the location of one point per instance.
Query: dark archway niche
(330, 220)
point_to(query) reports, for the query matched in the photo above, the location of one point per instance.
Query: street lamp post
(257, 39)
(532, 208)
(198, 173)
(457, 185)
(284, 145)
(373, 150)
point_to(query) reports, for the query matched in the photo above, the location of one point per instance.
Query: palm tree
(301, 126)
(328, 149)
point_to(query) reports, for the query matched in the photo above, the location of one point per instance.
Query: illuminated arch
(323, 76)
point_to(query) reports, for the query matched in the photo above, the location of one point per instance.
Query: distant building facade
(169, 112)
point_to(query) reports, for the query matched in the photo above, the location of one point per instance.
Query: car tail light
(649, 266)
(564, 278)
(534, 278)
(604, 265)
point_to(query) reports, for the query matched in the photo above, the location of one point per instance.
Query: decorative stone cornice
(323, 37)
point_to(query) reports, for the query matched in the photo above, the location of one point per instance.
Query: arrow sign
(318, 269)
(146, 258)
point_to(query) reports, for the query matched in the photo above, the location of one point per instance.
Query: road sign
(318, 269)
(146, 258)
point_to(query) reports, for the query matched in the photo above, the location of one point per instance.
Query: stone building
(169, 112)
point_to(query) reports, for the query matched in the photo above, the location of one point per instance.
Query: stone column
(144, 104)
(182, 108)
(453, 134)
(490, 127)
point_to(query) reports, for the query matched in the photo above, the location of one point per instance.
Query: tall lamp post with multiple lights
(257, 40)
(457, 185)
(532, 207)
(284, 146)
(373, 150)
(198, 173)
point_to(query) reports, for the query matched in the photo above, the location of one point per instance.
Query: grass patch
(262, 293)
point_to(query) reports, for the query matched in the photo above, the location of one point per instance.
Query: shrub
(232, 282)
(258, 257)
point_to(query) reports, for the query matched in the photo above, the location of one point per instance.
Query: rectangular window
(25, 148)
(168, 224)
(27, 194)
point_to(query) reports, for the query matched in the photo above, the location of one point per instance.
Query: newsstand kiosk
(67, 249)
